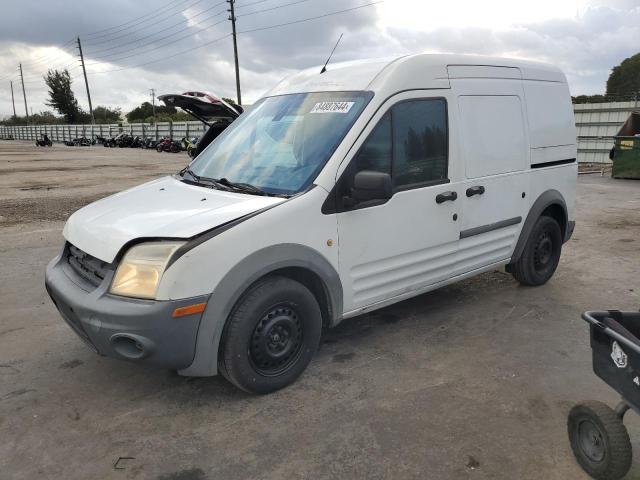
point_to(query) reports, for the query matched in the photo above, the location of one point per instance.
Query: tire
(270, 336)
(541, 253)
(599, 441)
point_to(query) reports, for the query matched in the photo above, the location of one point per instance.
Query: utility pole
(232, 17)
(153, 103)
(24, 94)
(86, 82)
(12, 99)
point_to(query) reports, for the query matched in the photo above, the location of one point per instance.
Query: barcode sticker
(332, 107)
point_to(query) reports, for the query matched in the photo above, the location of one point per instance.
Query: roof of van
(412, 72)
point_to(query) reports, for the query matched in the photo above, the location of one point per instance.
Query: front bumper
(119, 327)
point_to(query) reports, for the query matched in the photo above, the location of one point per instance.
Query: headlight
(141, 269)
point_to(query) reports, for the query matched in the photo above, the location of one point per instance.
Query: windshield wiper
(227, 185)
(193, 175)
(244, 187)
(210, 182)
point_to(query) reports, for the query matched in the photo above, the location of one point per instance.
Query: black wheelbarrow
(598, 437)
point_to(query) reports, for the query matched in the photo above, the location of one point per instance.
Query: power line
(259, 29)
(272, 8)
(144, 52)
(153, 25)
(189, 50)
(90, 52)
(250, 4)
(118, 56)
(169, 6)
(49, 58)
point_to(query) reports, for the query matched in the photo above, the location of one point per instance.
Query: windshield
(283, 142)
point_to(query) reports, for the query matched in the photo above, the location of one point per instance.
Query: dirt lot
(473, 381)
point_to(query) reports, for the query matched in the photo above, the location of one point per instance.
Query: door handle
(477, 190)
(446, 197)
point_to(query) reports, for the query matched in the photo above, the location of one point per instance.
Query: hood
(207, 109)
(164, 208)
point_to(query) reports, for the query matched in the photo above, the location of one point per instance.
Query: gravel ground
(473, 381)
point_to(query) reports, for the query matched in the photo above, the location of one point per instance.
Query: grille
(90, 268)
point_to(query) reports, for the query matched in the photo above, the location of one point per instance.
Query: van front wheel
(541, 254)
(271, 335)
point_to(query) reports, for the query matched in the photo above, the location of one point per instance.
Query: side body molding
(236, 282)
(545, 200)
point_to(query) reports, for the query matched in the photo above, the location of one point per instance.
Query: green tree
(42, 118)
(590, 99)
(625, 78)
(103, 114)
(61, 97)
(144, 113)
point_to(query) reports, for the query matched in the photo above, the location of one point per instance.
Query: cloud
(585, 45)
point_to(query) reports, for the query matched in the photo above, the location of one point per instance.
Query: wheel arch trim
(236, 282)
(547, 199)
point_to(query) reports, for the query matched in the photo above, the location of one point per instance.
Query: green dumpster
(626, 153)
(626, 158)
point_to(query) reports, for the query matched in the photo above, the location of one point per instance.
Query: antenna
(324, 68)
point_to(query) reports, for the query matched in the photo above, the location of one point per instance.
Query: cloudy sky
(173, 46)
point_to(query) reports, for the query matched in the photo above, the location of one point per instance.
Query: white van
(336, 194)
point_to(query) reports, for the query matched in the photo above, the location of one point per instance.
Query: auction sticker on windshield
(332, 107)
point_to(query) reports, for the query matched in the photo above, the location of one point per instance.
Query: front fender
(239, 279)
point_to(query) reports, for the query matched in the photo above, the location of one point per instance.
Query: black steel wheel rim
(543, 252)
(591, 441)
(276, 341)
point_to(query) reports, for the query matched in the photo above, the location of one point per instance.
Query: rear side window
(410, 142)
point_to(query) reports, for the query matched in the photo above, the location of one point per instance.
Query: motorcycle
(168, 145)
(82, 142)
(150, 143)
(44, 141)
(190, 144)
(125, 141)
(78, 142)
(113, 141)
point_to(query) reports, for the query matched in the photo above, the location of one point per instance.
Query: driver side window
(409, 143)
(376, 152)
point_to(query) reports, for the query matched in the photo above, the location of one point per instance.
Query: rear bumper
(129, 329)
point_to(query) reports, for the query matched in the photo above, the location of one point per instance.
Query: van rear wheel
(541, 254)
(271, 336)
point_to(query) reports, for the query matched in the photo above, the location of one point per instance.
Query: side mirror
(370, 186)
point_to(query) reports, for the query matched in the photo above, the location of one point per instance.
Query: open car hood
(202, 109)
